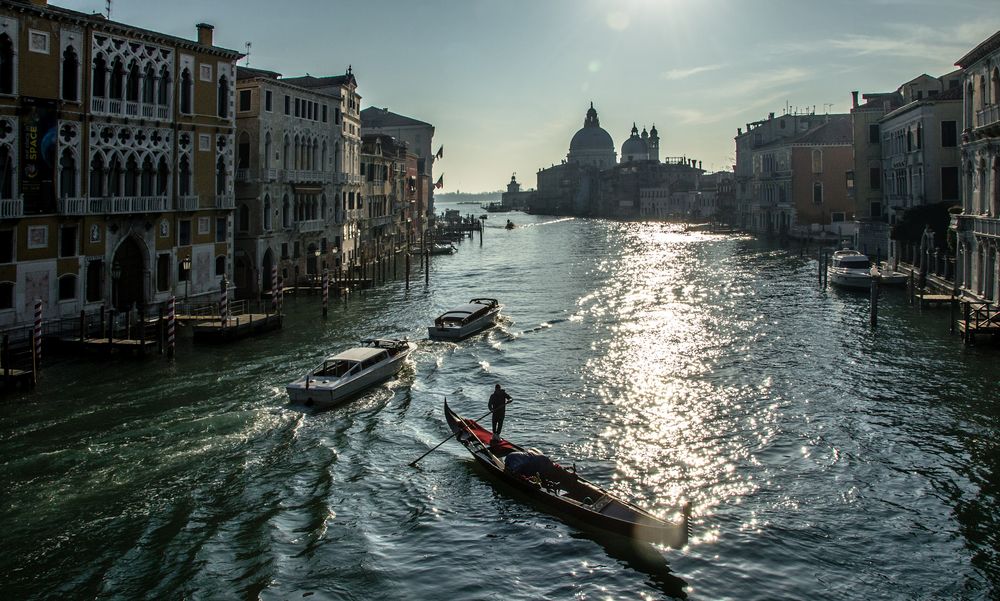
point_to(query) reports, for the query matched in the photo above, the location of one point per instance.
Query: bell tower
(654, 144)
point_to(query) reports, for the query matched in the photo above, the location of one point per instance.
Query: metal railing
(242, 174)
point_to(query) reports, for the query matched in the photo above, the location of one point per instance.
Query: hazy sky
(507, 83)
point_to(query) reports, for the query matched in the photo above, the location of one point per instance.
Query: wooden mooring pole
(407, 269)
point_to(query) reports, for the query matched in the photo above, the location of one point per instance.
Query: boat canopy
(357, 354)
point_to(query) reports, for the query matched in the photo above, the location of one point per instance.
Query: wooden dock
(237, 327)
(110, 345)
(16, 378)
(979, 320)
(934, 300)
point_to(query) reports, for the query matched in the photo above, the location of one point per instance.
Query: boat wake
(544, 325)
(527, 225)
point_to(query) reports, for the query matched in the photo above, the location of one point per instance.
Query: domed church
(591, 145)
(591, 181)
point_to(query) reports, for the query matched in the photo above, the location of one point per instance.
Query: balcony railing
(988, 116)
(303, 175)
(11, 207)
(225, 201)
(242, 174)
(270, 174)
(986, 226)
(127, 204)
(309, 225)
(73, 206)
(187, 203)
(129, 108)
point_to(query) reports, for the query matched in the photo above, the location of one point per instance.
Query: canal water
(823, 461)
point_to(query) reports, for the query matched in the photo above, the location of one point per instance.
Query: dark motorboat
(564, 492)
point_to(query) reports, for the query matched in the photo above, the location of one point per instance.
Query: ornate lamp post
(186, 266)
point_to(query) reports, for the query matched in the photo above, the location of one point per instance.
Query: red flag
(440, 183)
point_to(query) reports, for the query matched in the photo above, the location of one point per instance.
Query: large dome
(635, 147)
(592, 146)
(591, 138)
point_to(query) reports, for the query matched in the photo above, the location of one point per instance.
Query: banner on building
(38, 154)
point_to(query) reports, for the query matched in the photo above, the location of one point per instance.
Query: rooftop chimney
(205, 34)
(854, 97)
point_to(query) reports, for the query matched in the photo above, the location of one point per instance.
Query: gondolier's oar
(450, 436)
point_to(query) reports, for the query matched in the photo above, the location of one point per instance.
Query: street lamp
(116, 273)
(186, 266)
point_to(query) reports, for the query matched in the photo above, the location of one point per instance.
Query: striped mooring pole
(274, 288)
(224, 302)
(281, 294)
(36, 334)
(171, 319)
(326, 291)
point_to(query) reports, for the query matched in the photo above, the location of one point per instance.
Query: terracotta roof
(376, 117)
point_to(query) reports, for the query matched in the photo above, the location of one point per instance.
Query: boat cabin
(351, 362)
(851, 260)
(464, 314)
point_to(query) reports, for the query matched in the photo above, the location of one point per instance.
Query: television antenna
(247, 56)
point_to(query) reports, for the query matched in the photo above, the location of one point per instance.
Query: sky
(506, 83)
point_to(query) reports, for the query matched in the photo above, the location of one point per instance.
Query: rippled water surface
(822, 460)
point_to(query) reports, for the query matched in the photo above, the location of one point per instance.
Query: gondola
(566, 493)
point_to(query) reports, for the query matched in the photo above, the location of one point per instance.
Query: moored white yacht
(850, 269)
(350, 372)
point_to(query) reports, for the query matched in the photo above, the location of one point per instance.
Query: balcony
(225, 201)
(243, 174)
(10, 207)
(270, 174)
(73, 206)
(988, 117)
(129, 108)
(309, 225)
(984, 226)
(304, 176)
(187, 203)
(123, 205)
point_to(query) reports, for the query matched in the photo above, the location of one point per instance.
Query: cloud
(685, 73)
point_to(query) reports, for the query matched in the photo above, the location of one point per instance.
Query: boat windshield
(855, 263)
(337, 368)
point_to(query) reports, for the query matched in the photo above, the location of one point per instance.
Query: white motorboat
(442, 248)
(888, 276)
(353, 371)
(850, 269)
(475, 316)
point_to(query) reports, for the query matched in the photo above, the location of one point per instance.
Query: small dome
(635, 148)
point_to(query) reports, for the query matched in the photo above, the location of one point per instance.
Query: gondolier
(498, 408)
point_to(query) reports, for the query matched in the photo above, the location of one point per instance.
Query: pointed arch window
(267, 150)
(286, 213)
(284, 153)
(67, 174)
(117, 84)
(322, 158)
(149, 85)
(99, 85)
(223, 97)
(244, 217)
(162, 178)
(98, 177)
(243, 151)
(184, 177)
(163, 87)
(147, 179)
(131, 176)
(70, 72)
(133, 83)
(115, 174)
(267, 213)
(186, 91)
(322, 207)
(6, 64)
(220, 176)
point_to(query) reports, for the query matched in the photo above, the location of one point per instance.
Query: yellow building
(116, 162)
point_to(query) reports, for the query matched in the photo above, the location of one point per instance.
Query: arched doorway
(265, 271)
(244, 280)
(128, 277)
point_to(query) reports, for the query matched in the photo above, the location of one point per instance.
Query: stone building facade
(978, 226)
(289, 212)
(116, 162)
